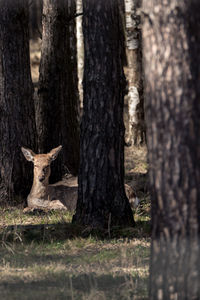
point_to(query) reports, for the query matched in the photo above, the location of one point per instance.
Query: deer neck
(39, 189)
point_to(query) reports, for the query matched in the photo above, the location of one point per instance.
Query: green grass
(44, 256)
(15, 216)
(111, 270)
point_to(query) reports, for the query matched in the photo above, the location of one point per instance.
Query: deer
(61, 195)
(44, 195)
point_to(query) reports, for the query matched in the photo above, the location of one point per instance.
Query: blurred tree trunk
(57, 108)
(101, 194)
(172, 68)
(136, 130)
(17, 121)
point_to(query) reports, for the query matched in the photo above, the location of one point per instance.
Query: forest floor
(44, 256)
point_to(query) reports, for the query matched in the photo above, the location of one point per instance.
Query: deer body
(55, 196)
(42, 195)
(61, 195)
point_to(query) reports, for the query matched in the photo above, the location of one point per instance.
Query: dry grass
(75, 269)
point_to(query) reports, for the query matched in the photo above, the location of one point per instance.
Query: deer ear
(54, 153)
(29, 154)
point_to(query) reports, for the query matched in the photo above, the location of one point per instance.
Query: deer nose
(41, 178)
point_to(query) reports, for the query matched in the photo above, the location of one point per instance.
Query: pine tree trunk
(17, 118)
(171, 50)
(57, 108)
(101, 194)
(35, 18)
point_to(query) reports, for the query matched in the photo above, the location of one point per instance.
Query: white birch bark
(80, 50)
(133, 69)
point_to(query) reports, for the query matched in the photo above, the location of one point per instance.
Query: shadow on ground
(82, 286)
(63, 231)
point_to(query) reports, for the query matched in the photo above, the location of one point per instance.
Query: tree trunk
(57, 108)
(35, 19)
(101, 194)
(80, 50)
(136, 130)
(17, 118)
(171, 50)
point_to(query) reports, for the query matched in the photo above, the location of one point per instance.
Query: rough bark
(171, 49)
(136, 130)
(57, 108)
(101, 194)
(35, 18)
(17, 118)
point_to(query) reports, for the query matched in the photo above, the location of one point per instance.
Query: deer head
(41, 163)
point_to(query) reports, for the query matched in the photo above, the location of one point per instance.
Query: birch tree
(136, 129)
(80, 49)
